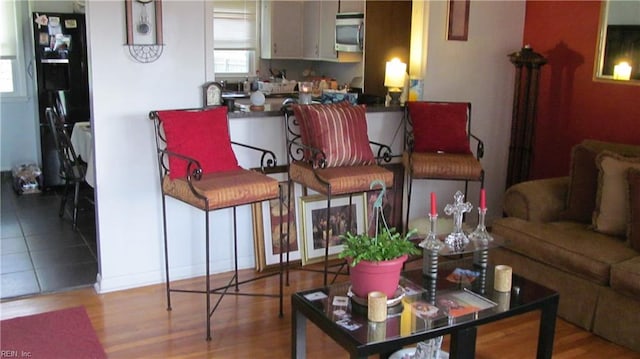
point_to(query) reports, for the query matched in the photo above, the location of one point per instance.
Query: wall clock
(144, 29)
(212, 92)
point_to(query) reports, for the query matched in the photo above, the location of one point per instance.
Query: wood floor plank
(135, 324)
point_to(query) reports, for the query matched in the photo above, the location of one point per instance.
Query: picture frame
(311, 216)
(458, 20)
(266, 229)
(391, 203)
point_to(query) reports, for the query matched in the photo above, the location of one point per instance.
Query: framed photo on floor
(313, 224)
(266, 230)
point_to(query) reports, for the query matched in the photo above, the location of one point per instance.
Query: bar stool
(198, 166)
(437, 140)
(330, 153)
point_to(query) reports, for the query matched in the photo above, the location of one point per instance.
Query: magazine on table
(461, 302)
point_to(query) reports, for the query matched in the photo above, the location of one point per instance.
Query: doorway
(40, 252)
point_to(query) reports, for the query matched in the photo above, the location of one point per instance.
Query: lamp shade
(394, 73)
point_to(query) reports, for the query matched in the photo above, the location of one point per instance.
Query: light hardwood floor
(135, 324)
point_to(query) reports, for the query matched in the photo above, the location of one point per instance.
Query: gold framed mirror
(618, 49)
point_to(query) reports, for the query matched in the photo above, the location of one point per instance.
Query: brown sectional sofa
(551, 239)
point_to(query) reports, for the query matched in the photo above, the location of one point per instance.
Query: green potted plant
(376, 262)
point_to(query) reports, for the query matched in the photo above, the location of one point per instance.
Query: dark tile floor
(39, 251)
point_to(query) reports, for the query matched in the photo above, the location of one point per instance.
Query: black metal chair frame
(72, 170)
(194, 173)
(409, 145)
(296, 150)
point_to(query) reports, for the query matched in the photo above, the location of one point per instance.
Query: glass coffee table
(463, 300)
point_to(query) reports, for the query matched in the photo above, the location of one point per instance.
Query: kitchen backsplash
(299, 69)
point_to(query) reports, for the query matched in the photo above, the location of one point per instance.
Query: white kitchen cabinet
(310, 29)
(328, 11)
(319, 29)
(281, 29)
(352, 6)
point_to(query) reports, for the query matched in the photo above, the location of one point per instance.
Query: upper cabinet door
(282, 30)
(352, 6)
(311, 29)
(328, 11)
(319, 29)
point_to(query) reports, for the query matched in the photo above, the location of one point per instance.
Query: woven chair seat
(223, 189)
(443, 166)
(348, 179)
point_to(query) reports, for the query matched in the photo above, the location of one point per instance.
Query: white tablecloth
(82, 142)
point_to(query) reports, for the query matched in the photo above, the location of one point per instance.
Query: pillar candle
(502, 278)
(377, 306)
(434, 211)
(483, 199)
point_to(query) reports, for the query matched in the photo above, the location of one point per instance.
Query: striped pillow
(340, 131)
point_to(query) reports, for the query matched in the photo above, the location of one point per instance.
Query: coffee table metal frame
(526, 296)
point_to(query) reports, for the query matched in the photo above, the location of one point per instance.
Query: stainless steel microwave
(350, 31)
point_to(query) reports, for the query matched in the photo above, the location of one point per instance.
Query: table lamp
(394, 79)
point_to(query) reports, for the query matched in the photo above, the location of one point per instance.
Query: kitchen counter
(273, 107)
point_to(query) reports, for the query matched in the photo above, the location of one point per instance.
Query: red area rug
(65, 333)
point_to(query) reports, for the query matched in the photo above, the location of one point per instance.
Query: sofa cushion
(583, 174)
(612, 199)
(633, 235)
(625, 277)
(568, 246)
(581, 198)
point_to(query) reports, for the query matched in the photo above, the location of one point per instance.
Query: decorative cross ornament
(457, 240)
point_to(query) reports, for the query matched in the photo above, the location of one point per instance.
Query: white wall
(476, 71)
(123, 93)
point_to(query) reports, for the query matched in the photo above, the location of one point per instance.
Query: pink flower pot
(381, 276)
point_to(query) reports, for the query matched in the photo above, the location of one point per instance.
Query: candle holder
(431, 246)
(480, 235)
(431, 242)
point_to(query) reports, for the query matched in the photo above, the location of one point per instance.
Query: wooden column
(528, 64)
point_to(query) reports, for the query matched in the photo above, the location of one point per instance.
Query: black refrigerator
(62, 79)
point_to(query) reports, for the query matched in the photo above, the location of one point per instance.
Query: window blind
(234, 25)
(8, 31)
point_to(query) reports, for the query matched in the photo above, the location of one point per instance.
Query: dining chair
(198, 166)
(329, 152)
(72, 170)
(437, 144)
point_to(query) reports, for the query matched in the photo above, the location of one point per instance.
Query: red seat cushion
(439, 127)
(199, 134)
(339, 130)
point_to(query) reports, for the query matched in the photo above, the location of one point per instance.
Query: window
(234, 37)
(12, 84)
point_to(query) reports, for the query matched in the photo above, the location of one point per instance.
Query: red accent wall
(571, 106)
